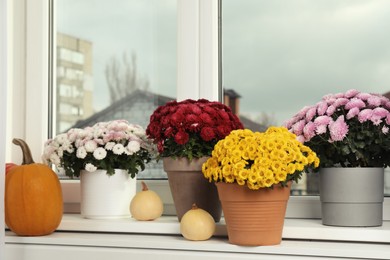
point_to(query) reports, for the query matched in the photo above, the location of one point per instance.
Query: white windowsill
(307, 229)
(301, 237)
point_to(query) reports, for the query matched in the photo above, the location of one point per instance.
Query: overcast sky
(278, 55)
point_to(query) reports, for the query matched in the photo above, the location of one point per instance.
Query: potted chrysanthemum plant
(350, 133)
(253, 172)
(105, 156)
(185, 133)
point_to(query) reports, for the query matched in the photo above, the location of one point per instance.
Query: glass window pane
(115, 60)
(282, 55)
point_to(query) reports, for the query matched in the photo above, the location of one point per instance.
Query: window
(197, 70)
(280, 56)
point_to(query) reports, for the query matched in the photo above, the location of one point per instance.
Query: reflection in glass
(282, 55)
(114, 60)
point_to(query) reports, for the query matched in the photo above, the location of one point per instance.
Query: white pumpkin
(146, 205)
(197, 224)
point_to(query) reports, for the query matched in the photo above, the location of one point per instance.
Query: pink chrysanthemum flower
(352, 113)
(363, 96)
(298, 127)
(338, 129)
(340, 102)
(374, 101)
(339, 95)
(322, 107)
(301, 138)
(329, 99)
(385, 130)
(380, 112)
(311, 113)
(303, 112)
(351, 93)
(365, 115)
(321, 129)
(309, 131)
(322, 120)
(355, 102)
(288, 124)
(330, 111)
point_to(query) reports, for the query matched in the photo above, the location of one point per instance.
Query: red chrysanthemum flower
(181, 137)
(207, 133)
(206, 119)
(223, 130)
(197, 125)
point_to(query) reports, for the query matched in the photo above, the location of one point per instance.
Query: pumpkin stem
(27, 157)
(194, 206)
(144, 186)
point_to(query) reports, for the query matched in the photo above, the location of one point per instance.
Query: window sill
(301, 237)
(306, 229)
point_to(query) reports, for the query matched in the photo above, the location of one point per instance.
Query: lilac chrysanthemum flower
(352, 113)
(388, 119)
(355, 102)
(365, 115)
(338, 129)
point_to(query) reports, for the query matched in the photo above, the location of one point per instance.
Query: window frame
(198, 76)
(4, 62)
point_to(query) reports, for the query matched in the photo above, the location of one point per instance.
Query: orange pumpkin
(33, 197)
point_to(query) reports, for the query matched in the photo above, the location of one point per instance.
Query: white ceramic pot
(104, 196)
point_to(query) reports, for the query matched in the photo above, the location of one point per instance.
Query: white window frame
(198, 77)
(4, 29)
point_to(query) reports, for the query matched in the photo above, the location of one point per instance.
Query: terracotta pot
(253, 217)
(188, 186)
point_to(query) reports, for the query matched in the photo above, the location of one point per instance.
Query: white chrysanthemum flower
(81, 152)
(133, 147)
(90, 167)
(69, 149)
(61, 138)
(100, 153)
(109, 146)
(90, 146)
(60, 152)
(55, 159)
(118, 149)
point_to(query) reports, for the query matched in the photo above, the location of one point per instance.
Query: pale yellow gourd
(146, 205)
(197, 224)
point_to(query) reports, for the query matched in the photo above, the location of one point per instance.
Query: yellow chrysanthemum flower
(257, 159)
